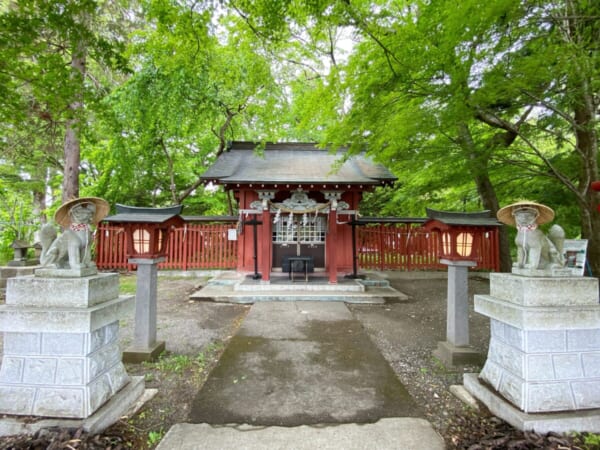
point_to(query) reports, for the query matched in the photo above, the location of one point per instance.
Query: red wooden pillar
(331, 246)
(264, 244)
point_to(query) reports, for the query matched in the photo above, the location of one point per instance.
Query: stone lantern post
(147, 232)
(458, 248)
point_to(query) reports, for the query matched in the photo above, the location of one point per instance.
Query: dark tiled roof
(146, 215)
(294, 163)
(477, 218)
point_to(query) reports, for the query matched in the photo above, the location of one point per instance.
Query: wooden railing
(407, 246)
(404, 246)
(195, 246)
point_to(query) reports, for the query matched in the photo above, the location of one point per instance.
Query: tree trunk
(587, 146)
(478, 165)
(72, 149)
(488, 197)
(585, 123)
(72, 159)
(39, 206)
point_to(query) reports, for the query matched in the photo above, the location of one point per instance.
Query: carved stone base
(61, 355)
(544, 352)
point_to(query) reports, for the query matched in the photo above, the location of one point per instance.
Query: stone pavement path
(300, 363)
(296, 364)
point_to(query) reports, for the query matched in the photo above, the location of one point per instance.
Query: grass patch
(127, 284)
(177, 364)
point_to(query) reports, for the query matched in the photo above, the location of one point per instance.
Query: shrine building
(295, 200)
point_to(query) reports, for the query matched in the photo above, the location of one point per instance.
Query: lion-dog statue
(535, 250)
(72, 249)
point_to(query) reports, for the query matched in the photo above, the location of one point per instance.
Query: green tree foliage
(48, 51)
(200, 80)
(471, 102)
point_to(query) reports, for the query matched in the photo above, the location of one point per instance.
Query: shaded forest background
(472, 105)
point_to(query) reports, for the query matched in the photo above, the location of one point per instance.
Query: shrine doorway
(300, 235)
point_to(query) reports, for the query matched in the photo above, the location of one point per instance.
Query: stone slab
(226, 294)
(11, 272)
(351, 286)
(559, 422)
(544, 291)
(50, 272)
(14, 318)
(7, 272)
(539, 317)
(459, 391)
(83, 292)
(394, 433)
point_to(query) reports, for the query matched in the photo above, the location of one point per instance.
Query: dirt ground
(406, 333)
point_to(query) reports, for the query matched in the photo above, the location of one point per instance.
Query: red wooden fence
(404, 246)
(195, 246)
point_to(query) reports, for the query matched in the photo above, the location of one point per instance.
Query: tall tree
(463, 89)
(201, 80)
(46, 49)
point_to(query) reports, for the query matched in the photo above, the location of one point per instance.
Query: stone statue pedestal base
(7, 272)
(555, 422)
(61, 354)
(544, 353)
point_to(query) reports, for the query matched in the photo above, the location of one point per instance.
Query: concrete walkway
(303, 375)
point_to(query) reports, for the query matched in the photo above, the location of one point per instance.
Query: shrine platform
(240, 288)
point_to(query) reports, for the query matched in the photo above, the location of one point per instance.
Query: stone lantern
(458, 248)
(20, 249)
(147, 231)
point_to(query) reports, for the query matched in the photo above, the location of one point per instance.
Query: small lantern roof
(453, 218)
(19, 244)
(129, 214)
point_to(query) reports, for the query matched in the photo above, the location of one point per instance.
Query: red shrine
(295, 200)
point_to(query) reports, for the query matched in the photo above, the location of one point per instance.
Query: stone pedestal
(61, 355)
(456, 350)
(544, 353)
(14, 271)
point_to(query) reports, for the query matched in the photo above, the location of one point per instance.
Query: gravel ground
(406, 333)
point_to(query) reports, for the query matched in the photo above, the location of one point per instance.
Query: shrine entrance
(299, 235)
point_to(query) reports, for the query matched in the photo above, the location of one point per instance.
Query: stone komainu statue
(72, 249)
(535, 250)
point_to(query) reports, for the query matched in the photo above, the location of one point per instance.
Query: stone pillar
(544, 353)
(61, 355)
(455, 350)
(145, 346)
